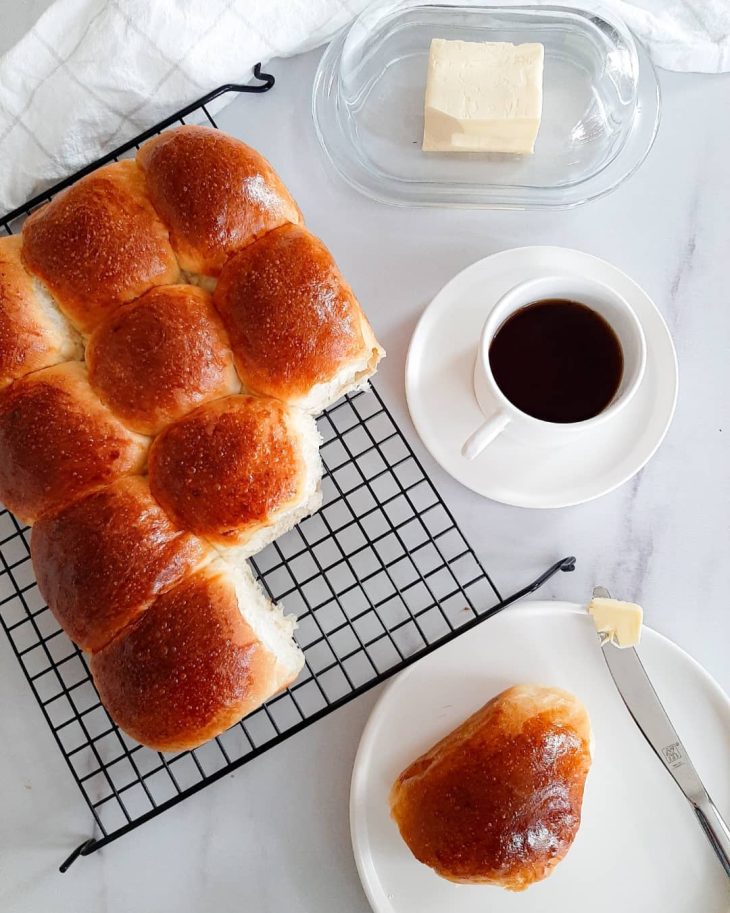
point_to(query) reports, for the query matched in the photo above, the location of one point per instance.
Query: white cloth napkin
(685, 35)
(93, 73)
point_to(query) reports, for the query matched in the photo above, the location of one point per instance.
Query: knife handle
(715, 829)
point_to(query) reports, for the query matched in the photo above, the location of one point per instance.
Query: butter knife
(650, 716)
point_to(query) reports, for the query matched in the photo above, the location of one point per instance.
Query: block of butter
(621, 621)
(483, 96)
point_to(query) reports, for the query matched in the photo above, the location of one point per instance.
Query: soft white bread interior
(205, 654)
(33, 332)
(307, 501)
(149, 427)
(273, 627)
(297, 331)
(351, 377)
(238, 471)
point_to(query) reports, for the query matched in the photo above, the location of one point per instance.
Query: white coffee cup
(506, 417)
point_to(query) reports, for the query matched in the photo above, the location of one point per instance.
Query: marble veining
(275, 836)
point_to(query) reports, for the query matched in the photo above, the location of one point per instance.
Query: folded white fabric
(685, 35)
(93, 73)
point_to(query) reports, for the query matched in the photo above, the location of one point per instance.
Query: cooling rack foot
(83, 849)
(565, 564)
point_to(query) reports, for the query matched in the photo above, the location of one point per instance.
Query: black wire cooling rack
(379, 577)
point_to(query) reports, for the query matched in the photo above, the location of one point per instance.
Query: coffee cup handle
(484, 435)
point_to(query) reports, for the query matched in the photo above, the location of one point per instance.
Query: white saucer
(440, 392)
(639, 847)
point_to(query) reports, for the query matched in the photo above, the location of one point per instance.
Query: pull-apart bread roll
(157, 358)
(205, 654)
(238, 471)
(214, 193)
(33, 333)
(498, 801)
(57, 441)
(101, 561)
(148, 427)
(296, 329)
(98, 244)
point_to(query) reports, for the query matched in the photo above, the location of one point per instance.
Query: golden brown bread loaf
(296, 329)
(206, 653)
(102, 560)
(214, 193)
(98, 244)
(239, 471)
(123, 534)
(160, 356)
(57, 441)
(33, 334)
(498, 800)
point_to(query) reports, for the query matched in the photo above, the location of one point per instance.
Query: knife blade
(647, 711)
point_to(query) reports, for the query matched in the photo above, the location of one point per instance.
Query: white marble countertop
(274, 836)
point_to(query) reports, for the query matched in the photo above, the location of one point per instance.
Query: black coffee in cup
(557, 360)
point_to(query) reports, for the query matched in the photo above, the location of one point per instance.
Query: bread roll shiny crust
(128, 533)
(190, 667)
(98, 244)
(57, 441)
(159, 357)
(296, 329)
(214, 193)
(498, 800)
(233, 466)
(101, 561)
(33, 335)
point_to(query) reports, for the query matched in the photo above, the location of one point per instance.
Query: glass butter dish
(600, 106)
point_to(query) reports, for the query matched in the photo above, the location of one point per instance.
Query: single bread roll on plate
(98, 244)
(205, 654)
(101, 561)
(498, 800)
(296, 329)
(160, 356)
(57, 441)
(214, 193)
(33, 333)
(239, 471)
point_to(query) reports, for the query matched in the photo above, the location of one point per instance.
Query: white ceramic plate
(440, 392)
(639, 848)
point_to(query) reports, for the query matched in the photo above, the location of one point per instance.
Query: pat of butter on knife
(620, 621)
(483, 96)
